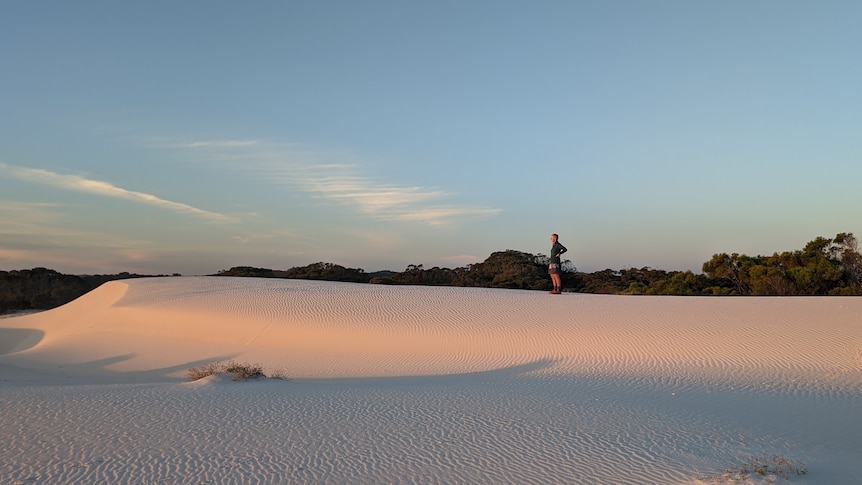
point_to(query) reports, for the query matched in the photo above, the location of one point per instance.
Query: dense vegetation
(504, 269)
(823, 267)
(41, 288)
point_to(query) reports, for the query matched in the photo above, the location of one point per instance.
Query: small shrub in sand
(199, 372)
(244, 372)
(766, 465)
(238, 371)
(278, 374)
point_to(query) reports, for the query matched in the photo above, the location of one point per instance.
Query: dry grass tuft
(244, 372)
(238, 371)
(766, 465)
(196, 373)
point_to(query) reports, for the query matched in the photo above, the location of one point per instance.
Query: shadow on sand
(98, 370)
(17, 339)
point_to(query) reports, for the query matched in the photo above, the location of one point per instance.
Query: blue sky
(190, 137)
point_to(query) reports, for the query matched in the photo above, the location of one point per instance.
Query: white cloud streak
(219, 144)
(333, 176)
(340, 183)
(438, 215)
(190, 143)
(383, 201)
(106, 189)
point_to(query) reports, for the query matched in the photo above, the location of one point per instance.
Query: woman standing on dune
(554, 268)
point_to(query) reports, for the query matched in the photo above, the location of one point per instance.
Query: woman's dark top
(556, 250)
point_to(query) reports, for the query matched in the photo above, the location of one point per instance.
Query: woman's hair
(555, 235)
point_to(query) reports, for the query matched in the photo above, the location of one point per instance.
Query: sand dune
(399, 384)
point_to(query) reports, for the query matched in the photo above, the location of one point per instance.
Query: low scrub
(237, 371)
(765, 466)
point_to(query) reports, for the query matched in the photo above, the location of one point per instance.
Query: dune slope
(426, 385)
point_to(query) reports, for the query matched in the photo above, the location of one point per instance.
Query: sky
(190, 137)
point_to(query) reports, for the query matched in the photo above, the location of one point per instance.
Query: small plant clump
(244, 372)
(201, 371)
(765, 465)
(238, 371)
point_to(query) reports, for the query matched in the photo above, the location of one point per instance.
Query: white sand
(395, 384)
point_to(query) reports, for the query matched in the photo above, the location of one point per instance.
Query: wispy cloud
(439, 215)
(343, 182)
(369, 197)
(106, 189)
(385, 201)
(219, 144)
(333, 176)
(195, 143)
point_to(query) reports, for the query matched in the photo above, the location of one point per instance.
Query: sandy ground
(400, 384)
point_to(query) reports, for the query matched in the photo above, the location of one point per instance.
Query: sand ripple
(400, 330)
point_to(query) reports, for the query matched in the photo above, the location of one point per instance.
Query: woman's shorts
(553, 268)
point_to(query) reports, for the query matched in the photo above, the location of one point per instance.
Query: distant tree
(502, 269)
(329, 272)
(247, 272)
(823, 267)
(511, 269)
(414, 274)
(30, 289)
(607, 281)
(732, 268)
(680, 283)
(845, 250)
(382, 280)
(42, 288)
(770, 281)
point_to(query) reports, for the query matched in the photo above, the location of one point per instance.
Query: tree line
(825, 266)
